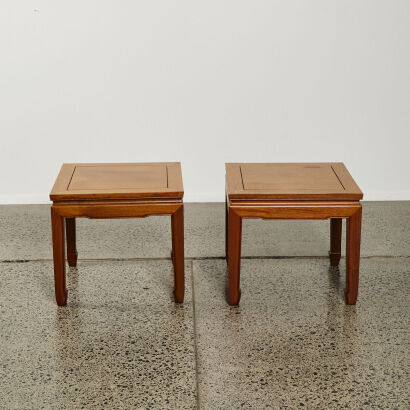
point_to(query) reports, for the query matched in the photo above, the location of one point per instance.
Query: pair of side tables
(253, 190)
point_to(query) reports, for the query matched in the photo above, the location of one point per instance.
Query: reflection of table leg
(57, 223)
(71, 241)
(335, 240)
(177, 224)
(354, 225)
(234, 260)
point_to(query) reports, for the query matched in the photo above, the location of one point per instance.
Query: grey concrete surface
(25, 234)
(120, 343)
(293, 342)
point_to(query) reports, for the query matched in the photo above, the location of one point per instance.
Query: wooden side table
(115, 191)
(294, 191)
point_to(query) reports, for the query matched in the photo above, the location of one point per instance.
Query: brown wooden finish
(177, 223)
(335, 240)
(118, 181)
(103, 210)
(112, 178)
(100, 191)
(294, 191)
(294, 209)
(234, 259)
(354, 227)
(226, 228)
(287, 181)
(72, 254)
(57, 226)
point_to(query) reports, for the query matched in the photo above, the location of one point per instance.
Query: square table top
(290, 181)
(118, 181)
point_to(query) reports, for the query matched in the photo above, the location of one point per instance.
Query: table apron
(289, 210)
(102, 211)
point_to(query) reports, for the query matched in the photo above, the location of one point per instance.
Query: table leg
(354, 225)
(226, 229)
(335, 241)
(177, 223)
(234, 259)
(173, 230)
(71, 241)
(57, 225)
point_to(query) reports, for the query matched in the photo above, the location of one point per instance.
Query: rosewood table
(115, 191)
(294, 191)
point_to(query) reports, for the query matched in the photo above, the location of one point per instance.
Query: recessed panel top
(316, 177)
(118, 181)
(290, 181)
(118, 177)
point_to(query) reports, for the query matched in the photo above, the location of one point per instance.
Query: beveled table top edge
(98, 164)
(59, 199)
(61, 193)
(235, 190)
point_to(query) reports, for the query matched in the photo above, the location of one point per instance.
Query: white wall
(204, 83)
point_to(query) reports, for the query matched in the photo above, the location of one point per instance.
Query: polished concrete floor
(121, 342)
